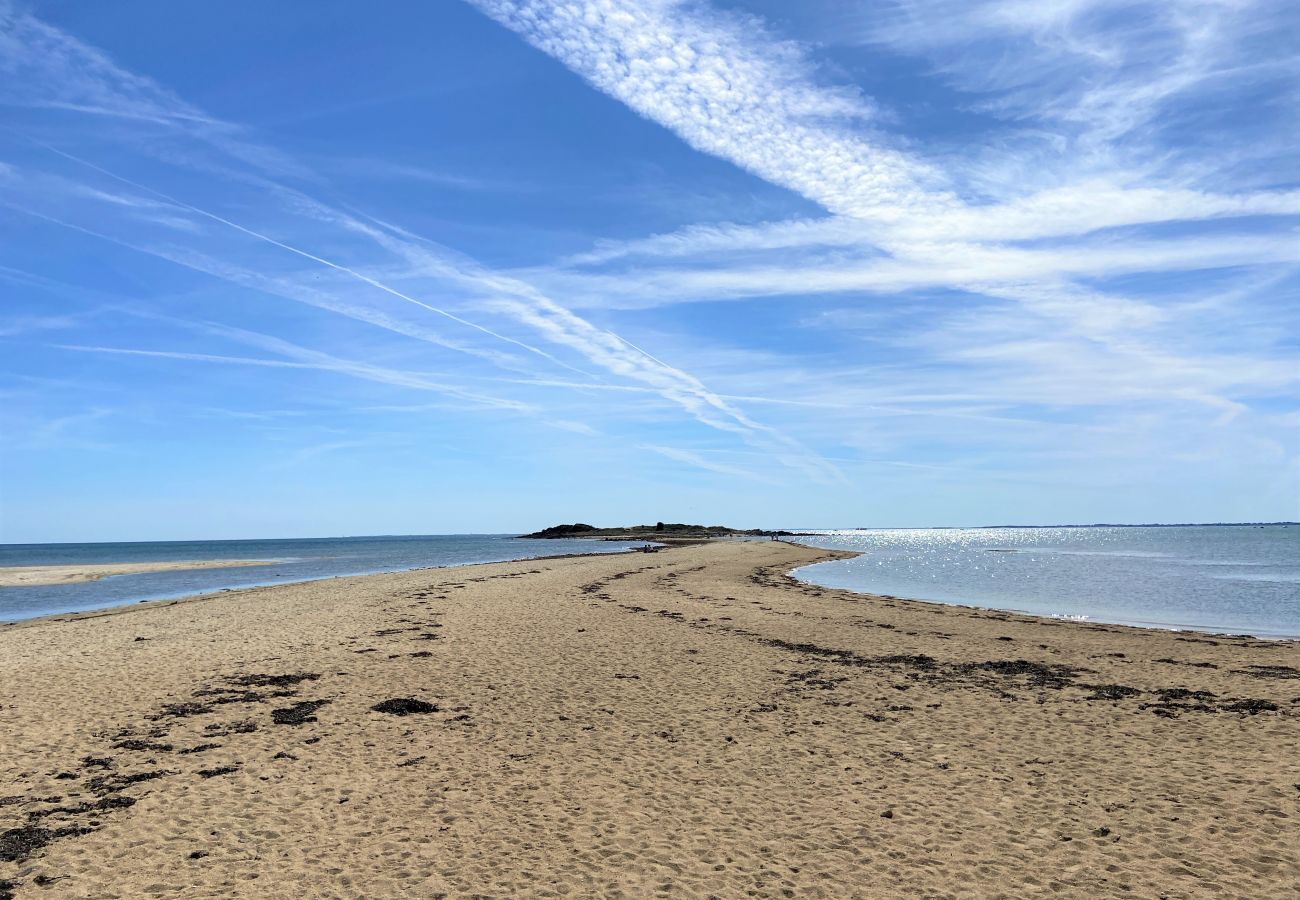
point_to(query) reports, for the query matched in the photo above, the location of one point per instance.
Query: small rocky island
(657, 531)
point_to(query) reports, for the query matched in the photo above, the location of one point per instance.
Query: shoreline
(1064, 618)
(170, 599)
(831, 555)
(118, 609)
(695, 720)
(80, 573)
(1081, 618)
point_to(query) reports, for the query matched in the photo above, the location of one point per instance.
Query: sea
(1234, 579)
(287, 561)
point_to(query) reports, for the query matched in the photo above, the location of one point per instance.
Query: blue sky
(487, 266)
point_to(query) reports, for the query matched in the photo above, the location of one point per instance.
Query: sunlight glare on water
(1240, 579)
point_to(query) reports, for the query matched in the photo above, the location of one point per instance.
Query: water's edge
(144, 602)
(196, 596)
(801, 573)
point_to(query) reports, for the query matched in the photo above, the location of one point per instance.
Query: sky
(274, 271)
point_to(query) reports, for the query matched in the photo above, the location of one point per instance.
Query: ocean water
(288, 560)
(1236, 579)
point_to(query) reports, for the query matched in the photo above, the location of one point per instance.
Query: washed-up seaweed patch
(141, 745)
(17, 844)
(51, 818)
(1001, 673)
(298, 714)
(276, 681)
(111, 784)
(1284, 672)
(404, 706)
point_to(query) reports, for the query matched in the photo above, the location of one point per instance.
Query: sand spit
(32, 576)
(690, 723)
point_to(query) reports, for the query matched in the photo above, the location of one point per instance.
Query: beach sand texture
(31, 576)
(689, 723)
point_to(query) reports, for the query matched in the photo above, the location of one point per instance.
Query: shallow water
(292, 560)
(1238, 579)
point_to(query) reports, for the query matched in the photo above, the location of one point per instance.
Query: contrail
(547, 313)
(379, 285)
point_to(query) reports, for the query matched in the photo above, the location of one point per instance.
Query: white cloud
(43, 67)
(1109, 66)
(692, 458)
(991, 269)
(1019, 247)
(897, 222)
(20, 325)
(730, 90)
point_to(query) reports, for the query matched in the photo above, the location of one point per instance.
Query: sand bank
(31, 576)
(692, 723)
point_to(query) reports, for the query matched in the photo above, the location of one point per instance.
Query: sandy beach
(31, 576)
(688, 723)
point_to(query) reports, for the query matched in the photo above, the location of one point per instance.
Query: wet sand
(32, 576)
(688, 723)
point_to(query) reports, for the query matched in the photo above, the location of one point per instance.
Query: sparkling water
(1227, 578)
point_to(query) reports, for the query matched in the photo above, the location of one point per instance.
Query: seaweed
(1111, 692)
(180, 711)
(404, 706)
(110, 802)
(219, 770)
(1168, 694)
(1268, 672)
(1039, 674)
(17, 844)
(298, 714)
(111, 784)
(1249, 706)
(278, 681)
(139, 745)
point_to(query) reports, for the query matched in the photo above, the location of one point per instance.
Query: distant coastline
(658, 531)
(713, 530)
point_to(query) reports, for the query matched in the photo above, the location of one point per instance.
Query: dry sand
(691, 723)
(31, 576)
